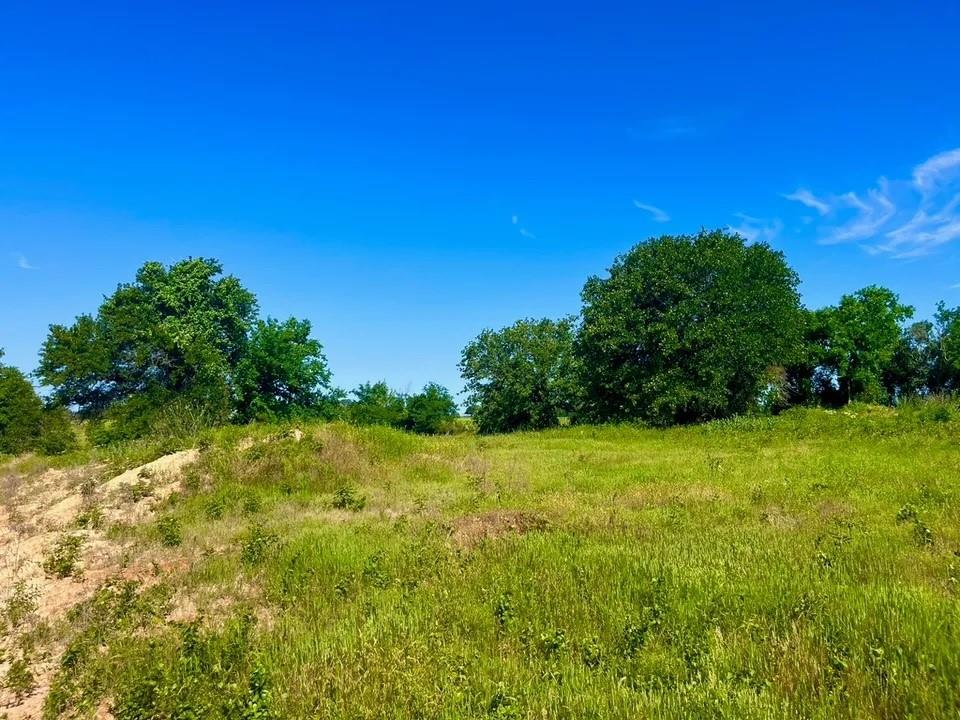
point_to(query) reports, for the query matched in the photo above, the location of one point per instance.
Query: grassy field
(798, 567)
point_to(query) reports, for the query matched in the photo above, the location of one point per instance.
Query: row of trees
(683, 329)
(183, 347)
(694, 328)
(433, 410)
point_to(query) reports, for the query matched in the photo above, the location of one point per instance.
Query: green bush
(19, 679)
(257, 543)
(171, 534)
(21, 412)
(57, 432)
(348, 499)
(376, 404)
(63, 559)
(430, 410)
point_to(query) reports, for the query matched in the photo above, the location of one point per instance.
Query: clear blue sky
(405, 175)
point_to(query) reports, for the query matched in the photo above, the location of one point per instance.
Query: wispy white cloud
(903, 218)
(806, 197)
(527, 234)
(931, 173)
(871, 213)
(22, 262)
(514, 219)
(755, 229)
(656, 213)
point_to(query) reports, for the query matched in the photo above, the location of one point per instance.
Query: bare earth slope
(37, 513)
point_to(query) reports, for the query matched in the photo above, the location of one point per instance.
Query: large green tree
(687, 328)
(174, 331)
(911, 370)
(21, 412)
(431, 410)
(376, 404)
(522, 376)
(862, 334)
(946, 372)
(283, 371)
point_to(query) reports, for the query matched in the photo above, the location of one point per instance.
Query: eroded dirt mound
(55, 551)
(470, 531)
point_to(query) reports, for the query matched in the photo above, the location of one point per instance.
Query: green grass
(798, 567)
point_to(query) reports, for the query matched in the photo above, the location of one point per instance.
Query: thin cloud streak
(809, 199)
(656, 213)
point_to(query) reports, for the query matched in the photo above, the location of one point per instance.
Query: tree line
(693, 328)
(181, 348)
(683, 329)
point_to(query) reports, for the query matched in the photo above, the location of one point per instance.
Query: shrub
(171, 534)
(19, 679)
(137, 491)
(256, 545)
(21, 605)
(431, 410)
(21, 412)
(376, 404)
(64, 557)
(348, 499)
(90, 517)
(57, 433)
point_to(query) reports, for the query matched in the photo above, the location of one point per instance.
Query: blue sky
(406, 175)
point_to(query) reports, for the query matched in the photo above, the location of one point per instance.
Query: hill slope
(804, 566)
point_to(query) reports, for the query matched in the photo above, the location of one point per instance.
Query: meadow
(800, 566)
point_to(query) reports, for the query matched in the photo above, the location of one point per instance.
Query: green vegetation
(804, 565)
(308, 558)
(686, 328)
(282, 372)
(430, 411)
(523, 377)
(63, 560)
(182, 346)
(860, 337)
(21, 412)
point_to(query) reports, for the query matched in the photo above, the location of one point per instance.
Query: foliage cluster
(683, 329)
(696, 328)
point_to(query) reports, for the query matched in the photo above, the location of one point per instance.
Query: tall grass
(757, 568)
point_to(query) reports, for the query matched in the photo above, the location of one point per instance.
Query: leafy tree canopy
(686, 328)
(179, 329)
(283, 371)
(21, 412)
(521, 377)
(431, 410)
(860, 338)
(947, 348)
(376, 404)
(181, 347)
(912, 365)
